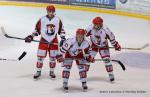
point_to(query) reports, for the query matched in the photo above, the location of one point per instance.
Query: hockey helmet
(81, 31)
(80, 35)
(50, 8)
(97, 21)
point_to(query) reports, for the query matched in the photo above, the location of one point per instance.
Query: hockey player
(48, 27)
(75, 48)
(99, 35)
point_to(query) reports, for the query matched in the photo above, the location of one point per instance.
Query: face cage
(97, 27)
(82, 39)
(51, 12)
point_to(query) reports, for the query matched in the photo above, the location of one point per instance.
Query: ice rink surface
(16, 77)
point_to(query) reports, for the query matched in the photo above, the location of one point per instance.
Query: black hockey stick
(128, 48)
(117, 61)
(121, 64)
(8, 36)
(19, 58)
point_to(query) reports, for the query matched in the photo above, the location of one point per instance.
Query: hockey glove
(60, 58)
(29, 38)
(62, 41)
(87, 67)
(89, 58)
(117, 46)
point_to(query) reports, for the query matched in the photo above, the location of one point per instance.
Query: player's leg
(41, 54)
(52, 65)
(93, 53)
(82, 72)
(66, 71)
(105, 54)
(53, 50)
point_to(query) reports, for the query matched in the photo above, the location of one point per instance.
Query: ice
(16, 77)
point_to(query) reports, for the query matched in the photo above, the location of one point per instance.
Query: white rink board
(134, 6)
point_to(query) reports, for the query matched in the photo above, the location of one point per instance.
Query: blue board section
(95, 3)
(111, 4)
(46, 1)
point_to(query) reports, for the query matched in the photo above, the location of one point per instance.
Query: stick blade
(22, 55)
(145, 46)
(4, 32)
(121, 64)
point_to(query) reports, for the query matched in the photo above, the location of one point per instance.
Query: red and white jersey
(49, 28)
(71, 45)
(100, 37)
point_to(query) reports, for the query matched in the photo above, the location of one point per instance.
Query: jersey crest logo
(50, 29)
(98, 38)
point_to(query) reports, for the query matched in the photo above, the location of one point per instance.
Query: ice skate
(37, 75)
(111, 77)
(65, 86)
(52, 75)
(84, 86)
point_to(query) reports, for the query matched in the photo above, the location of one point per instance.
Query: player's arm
(66, 46)
(87, 54)
(63, 49)
(112, 39)
(61, 32)
(37, 29)
(37, 32)
(88, 30)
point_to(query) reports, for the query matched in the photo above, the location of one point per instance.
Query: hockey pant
(67, 68)
(105, 55)
(43, 49)
(87, 66)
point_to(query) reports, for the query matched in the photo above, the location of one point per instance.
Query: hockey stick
(19, 58)
(121, 64)
(117, 61)
(140, 48)
(8, 36)
(128, 48)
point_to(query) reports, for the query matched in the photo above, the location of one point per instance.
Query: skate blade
(36, 79)
(66, 91)
(112, 82)
(85, 90)
(52, 78)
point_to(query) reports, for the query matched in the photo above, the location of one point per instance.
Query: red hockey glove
(89, 58)
(117, 46)
(60, 58)
(29, 38)
(87, 67)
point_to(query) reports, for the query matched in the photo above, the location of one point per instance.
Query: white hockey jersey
(49, 28)
(71, 45)
(100, 37)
